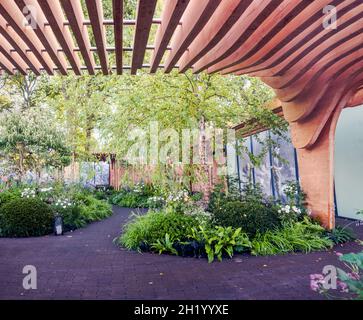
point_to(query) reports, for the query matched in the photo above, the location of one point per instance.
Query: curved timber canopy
(309, 51)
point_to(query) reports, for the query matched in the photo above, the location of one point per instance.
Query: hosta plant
(222, 240)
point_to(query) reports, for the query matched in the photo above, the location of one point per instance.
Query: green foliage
(304, 236)
(341, 235)
(8, 195)
(23, 217)
(130, 200)
(196, 196)
(164, 245)
(92, 209)
(293, 207)
(104, 193)
(153, 226)
(219, 240)
(252, 216)
(80, 103)
(353, 279)
(251, 212)
(135, 197)
(32, 141)
(72, 217)
(75, 204)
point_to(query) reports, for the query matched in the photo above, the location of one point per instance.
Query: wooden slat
(14, 18)
(172, 13)
(117, 6)
(5, 50)
(47, 39)
(13, 57)
(74, 13)
(6, 64)
(145, 14)
(193, 20)
(240, 32)
(224, 17)
(95, 12)
(17, 44)
(281, 19)
(54, 15)
(282, 47)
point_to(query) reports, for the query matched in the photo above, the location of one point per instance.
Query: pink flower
(316, 282)
(339, 254)
(354, 275)
(314, 285)
(316, 276)
(343, 286)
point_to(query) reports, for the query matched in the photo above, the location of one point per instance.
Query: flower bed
(76, 205)
(233, 223)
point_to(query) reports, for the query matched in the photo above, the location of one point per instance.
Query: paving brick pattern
(85, 264)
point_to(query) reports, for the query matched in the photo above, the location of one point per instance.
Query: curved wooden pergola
(315, 69)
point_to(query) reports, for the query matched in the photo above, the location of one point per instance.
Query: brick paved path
(86, 264)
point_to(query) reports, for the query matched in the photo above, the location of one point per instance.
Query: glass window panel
(284, 164)
(262, 172)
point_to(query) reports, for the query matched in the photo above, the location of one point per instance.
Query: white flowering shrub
(288, 213)
(156, 202)
(63, 203)
(177, 201)
(28, 193)
(139, 188)
(198, 213)
(295, 208)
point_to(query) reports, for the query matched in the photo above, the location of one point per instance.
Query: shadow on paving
(85, 264)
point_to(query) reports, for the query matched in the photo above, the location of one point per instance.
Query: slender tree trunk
(203, 157)
(21, 160)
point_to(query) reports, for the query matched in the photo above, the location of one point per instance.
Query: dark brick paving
(86, 264)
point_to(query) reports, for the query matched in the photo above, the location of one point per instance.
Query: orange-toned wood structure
(314, 63)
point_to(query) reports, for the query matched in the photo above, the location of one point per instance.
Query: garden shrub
(131, 200)
(8, 195)
(26, 217)
(70, 213)
(104, 192)
(136, 197)
(304, 236)
(253, 216)
(94, 210)
(145, 230)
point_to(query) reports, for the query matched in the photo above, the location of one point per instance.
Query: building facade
(280, 163)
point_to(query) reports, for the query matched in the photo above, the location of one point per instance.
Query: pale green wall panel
(349, 162)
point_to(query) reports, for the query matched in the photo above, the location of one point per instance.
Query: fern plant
(164, 245)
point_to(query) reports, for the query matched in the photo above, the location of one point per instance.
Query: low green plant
(148, 228)
(164, 245)
(26, 217)
(221, 240)
(196, 196)
(341, 234)
(349, 282)
(354, 278)
(156, 202)
(136, 196)
(304, 236)
(92, 209)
